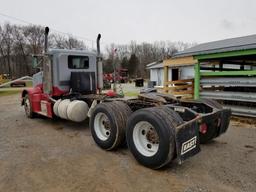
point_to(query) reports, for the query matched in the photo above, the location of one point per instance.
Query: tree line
(135, 56)
(18, 43)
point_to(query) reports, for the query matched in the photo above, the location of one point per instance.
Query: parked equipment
(4, 81)
(120, 77)
(18, 84)
(139, 82)
(156, 127)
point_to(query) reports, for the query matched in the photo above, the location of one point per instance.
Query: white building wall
(153, 76)
(169, 74)
(157, 75)
(184, 73)
(160, 81)
(187, 72)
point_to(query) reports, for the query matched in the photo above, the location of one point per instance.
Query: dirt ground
(44, 155)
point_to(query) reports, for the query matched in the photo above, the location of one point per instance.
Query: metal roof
(155, 65)
(232, 44)
(72, 51)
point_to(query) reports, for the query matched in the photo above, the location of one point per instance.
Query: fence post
(165, 79)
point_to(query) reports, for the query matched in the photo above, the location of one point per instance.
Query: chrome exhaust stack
(98, 45)
(99, 65)
(46, 32)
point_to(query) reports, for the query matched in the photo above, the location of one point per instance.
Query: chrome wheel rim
(27, 107)
(145, 138)
(102, 126)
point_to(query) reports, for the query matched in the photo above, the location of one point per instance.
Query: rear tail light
(203, 128)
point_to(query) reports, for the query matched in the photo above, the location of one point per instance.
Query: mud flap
(187, 140)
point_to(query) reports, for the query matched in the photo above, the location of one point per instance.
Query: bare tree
(72, 43)
(35, 38)
(58, 41)
(19, 51)
(142, 54)
(6, 45)
(18, 43)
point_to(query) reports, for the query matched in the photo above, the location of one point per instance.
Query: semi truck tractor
(156, 127)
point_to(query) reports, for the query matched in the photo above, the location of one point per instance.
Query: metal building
(156, 70)
(224, 70)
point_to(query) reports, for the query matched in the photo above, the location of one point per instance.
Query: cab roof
(71, 51)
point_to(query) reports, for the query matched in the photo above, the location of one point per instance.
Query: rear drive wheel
(28, 107)
(212, 103)
(206, 137)
(108, 123)
(211, 132)
(150, 136)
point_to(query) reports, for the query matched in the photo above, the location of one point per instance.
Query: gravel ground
(45, 155)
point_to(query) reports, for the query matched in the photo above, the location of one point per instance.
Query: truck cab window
(78, 62)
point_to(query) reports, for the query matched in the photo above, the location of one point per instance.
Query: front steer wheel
(28, 107)
(150, 136)
(108, 123)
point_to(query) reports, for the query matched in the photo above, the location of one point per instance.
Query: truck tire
(211, 133)
(126, 113)
(207, 137)
(173, 116)
(150, 136)
(212, 103)
(28, 107)
(108, 123)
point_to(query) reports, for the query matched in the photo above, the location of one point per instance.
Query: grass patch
(131, 94)
(29, 84)
(5, 93)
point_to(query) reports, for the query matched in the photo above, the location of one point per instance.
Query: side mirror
(37, 61)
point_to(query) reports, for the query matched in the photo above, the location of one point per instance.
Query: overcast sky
(121, 21)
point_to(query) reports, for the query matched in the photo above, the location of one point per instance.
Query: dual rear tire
(150, 136)
(149, 133)
(211, 131)
(107, 124)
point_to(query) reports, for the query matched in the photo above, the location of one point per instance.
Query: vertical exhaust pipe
(46, 32)
(99, 65)
(98, 45)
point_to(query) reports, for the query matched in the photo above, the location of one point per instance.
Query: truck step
(42, 113)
